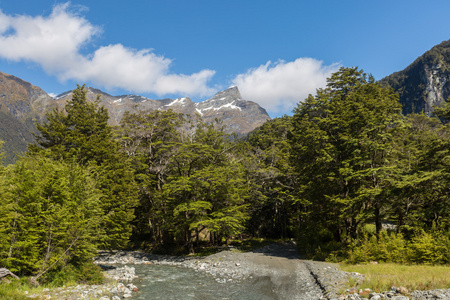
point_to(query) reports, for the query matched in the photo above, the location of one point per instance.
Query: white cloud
(279, 86)
(54, 42)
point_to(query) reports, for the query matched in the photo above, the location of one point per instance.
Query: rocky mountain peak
(229, 93)
(424, 83)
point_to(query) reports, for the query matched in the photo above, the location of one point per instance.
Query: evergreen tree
(341, 148)
(188, 178)
(81, 133)
(207, 189)
(273, 205)
(151, 139)
(417, 169)
(443, 111)
(49, 214)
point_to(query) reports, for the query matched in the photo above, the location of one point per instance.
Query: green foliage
(81, 133)
(341, 149)
(273, 205)
(423, 248)
(206, 191)
(49, 215)
(14, 289)
(318, 242)
(188, 177)
(430, 248)
(85, 273)
(388, 247)
(152, 140)
(443, 111)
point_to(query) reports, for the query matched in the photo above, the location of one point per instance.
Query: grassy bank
(15, 289)
(381, 277)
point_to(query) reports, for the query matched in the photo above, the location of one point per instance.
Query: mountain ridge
(22, 104)
(238, 115)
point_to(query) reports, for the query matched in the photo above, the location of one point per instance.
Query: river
(171, 282)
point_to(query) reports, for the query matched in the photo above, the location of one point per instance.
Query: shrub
(87, 273)
(423, 248)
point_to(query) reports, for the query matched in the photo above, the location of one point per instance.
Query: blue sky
(276, 52)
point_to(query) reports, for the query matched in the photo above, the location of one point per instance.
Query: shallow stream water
(170, 282)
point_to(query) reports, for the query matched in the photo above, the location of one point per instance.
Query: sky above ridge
(276, 52)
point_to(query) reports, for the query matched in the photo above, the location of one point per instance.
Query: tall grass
(15, 289)
(381, 277)
(86, 273)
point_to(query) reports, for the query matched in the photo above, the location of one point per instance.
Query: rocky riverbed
(276, 268)
(290, 277)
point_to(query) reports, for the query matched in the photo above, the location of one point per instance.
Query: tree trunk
(378, 224)
(5, 272)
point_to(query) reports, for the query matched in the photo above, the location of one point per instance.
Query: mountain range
(22, 104)
(238, 115)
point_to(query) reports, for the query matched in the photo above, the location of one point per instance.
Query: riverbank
(118, 286)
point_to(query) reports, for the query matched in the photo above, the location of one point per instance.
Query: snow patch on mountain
(62, 95)
(176, 101)
(199, 111)
(225, 106)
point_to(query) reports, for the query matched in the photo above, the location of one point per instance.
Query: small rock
(402, 290)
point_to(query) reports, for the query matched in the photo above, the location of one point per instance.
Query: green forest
(348, 177)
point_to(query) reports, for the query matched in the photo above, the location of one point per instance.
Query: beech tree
(188, 178)
(273, 205)
(151, 139)
(342, 143)
(207, 189)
